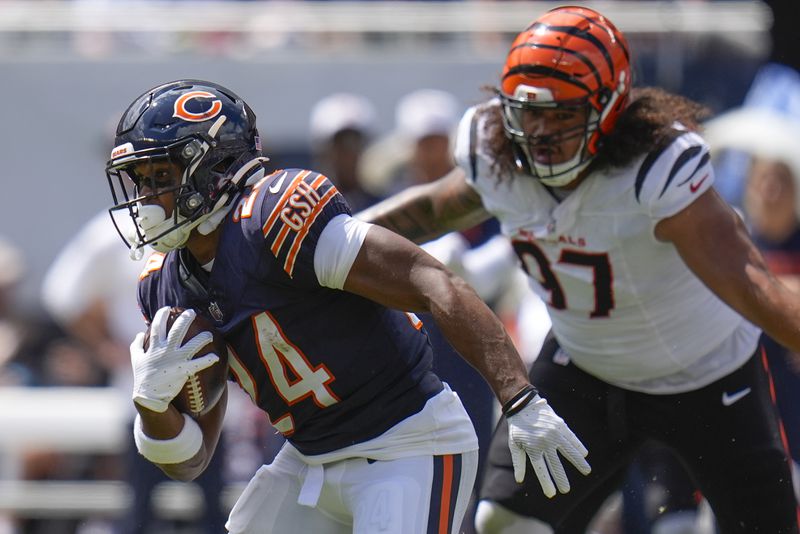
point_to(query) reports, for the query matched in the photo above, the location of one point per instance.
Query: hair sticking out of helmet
(570, 57)
(199, 127)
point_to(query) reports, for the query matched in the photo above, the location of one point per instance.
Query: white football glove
(160, 373)
(536, 431)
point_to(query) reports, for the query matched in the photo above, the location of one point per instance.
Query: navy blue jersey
(329, 367)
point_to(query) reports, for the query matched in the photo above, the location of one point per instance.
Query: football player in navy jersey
(317, 310)
(655, 291)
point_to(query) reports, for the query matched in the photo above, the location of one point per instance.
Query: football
(204, 389)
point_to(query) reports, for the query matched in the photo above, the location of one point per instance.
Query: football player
(317, 309)
(655, 291)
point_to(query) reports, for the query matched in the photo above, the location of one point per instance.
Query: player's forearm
(479, 336)
(425, 212)
(409, 213)
(167, 428)
(772, 306)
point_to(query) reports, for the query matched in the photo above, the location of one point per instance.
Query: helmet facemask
(525, 145)
(135, 172)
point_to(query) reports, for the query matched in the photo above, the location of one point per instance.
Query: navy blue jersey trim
(700, 165)
(650, 160)
(684, 158)
(444, 493)
(473, 140)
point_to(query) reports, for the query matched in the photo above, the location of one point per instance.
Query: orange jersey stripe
(278, 243)
(447, 489)
(288, 265)
(414, 320)
(276, 211)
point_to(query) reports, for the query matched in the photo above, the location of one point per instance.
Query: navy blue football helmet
(203, 131)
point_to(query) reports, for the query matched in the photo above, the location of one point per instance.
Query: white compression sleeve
(169, 451)
(337, 249)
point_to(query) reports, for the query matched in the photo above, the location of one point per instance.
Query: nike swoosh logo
(730, 398)
(694, 187)
(274, 188)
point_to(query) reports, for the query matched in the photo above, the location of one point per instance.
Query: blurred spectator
(775, 87)
(65, 363)
(418, 149)
(11, 332)
(426, 119)
(23, 337)
(34, 352)
(90, 290)
(341, 126)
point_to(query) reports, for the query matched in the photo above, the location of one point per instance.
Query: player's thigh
(269, 504)
(735, 451)
(416, 495)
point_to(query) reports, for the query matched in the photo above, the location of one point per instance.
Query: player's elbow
(448, 292)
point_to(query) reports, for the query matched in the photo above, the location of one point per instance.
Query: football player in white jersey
(656, 293)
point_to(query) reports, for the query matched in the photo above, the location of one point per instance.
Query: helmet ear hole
(223, 165)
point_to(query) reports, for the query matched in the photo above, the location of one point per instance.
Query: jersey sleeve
(465, 148)
(671, 178)
(290, 209)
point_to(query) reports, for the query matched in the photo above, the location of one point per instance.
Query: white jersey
(624, 306)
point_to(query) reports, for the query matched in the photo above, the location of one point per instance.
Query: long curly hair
(646, 124)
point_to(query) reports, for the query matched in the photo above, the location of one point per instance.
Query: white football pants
(414, 495)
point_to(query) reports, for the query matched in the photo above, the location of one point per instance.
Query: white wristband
(169, 451)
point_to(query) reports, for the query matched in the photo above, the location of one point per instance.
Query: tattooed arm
(425, 212)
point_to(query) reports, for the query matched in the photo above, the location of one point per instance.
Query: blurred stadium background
(69, 68)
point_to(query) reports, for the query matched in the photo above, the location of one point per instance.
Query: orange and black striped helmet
(570, 56)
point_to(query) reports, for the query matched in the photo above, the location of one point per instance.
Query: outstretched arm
(394, 272)
(425, 212)
(715, 245)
